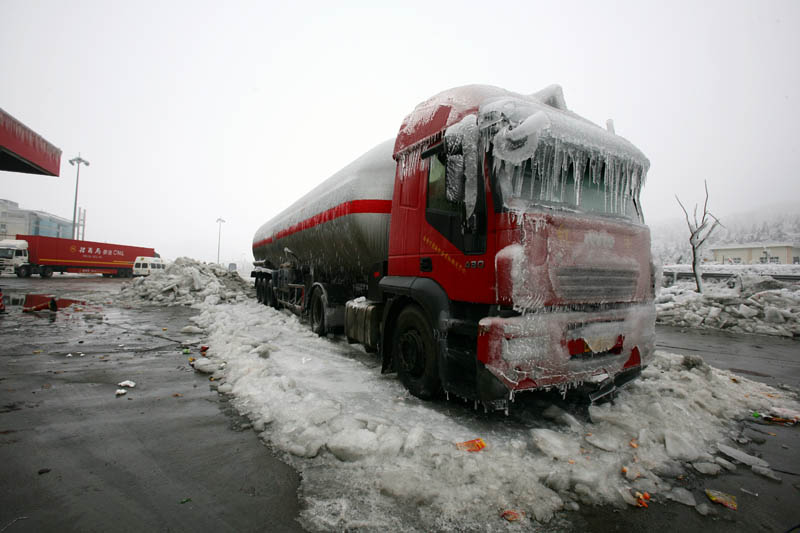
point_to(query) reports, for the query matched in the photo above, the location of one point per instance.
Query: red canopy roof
(24, 150)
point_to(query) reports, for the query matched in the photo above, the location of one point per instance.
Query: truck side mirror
(454, 178)
(461, 147)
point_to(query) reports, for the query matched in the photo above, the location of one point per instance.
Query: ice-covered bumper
(563, 349)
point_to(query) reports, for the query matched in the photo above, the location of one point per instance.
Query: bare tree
(699, 231)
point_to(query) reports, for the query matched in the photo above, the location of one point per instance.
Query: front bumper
(547, 350)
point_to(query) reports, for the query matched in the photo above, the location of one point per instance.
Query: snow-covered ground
(755, 304)
(374, 458)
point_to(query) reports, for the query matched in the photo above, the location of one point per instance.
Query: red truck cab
(517, 232)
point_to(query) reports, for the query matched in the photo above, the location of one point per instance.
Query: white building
(15, 221)
(783, 253)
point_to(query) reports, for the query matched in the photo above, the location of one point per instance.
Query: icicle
(579, 168)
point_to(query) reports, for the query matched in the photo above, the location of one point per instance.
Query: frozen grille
(595, 285)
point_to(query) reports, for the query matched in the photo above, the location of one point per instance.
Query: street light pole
(219, 236)
(76, 161)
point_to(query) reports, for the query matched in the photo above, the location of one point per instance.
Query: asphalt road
(172, 455)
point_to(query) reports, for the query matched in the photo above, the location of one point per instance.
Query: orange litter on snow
(474, 445)
(512, 516)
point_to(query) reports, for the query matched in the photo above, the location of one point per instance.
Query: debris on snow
(121, 392)
(474, 445)
(187, 282)
(127, 383)
(722, 498)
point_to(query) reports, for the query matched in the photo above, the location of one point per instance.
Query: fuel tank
(341, 227)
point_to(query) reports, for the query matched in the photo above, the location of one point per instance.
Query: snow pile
(187, 282)
(757, 270)
(757, 304)
(374, 458)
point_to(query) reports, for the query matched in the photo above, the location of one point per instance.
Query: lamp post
(219, 236)
(76, 161)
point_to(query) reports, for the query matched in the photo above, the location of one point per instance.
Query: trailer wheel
(259, 290)
(317, 313)
(414, 353)
(46, 272)
(269, 296)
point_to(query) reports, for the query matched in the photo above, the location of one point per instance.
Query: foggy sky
(191, 111)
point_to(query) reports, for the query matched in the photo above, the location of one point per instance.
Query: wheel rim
(412, 352)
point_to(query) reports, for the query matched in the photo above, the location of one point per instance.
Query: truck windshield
(534, 184)
(6, 253)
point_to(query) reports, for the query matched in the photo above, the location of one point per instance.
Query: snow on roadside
(759, 269)
(757, 304)
(186, 282)
(374, 458)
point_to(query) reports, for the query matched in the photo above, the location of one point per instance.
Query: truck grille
(595, 285)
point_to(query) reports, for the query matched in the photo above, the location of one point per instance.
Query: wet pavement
(172, 455)
(169, 455)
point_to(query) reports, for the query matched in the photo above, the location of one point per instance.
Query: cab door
(404, 230)
(455, 244)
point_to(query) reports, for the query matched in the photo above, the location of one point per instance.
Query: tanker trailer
(495, 246)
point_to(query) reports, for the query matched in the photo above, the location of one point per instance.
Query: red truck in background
(497, 245)
(46, 255)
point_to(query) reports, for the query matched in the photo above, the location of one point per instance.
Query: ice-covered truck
(497, 245)
(46, 255)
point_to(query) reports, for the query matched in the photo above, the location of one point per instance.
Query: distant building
(782, 253)
(14, 221)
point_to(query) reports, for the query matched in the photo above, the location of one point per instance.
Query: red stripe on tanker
(341, 210)
(343, 221)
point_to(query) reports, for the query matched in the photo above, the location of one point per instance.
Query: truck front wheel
(24, 272)
(414, 353)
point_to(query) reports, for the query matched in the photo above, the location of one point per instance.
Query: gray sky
(190, 111)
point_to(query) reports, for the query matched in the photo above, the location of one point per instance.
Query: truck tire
(317, 313)
(46, 272)
(24, 272)
(260, 290)
(414, 353)
(269, 295)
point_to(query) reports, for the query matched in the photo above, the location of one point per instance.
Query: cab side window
(437, 189)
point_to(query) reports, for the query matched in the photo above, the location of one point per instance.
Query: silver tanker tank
(342, 225)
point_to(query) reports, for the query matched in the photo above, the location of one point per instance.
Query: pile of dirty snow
(765, 269)
(374, 458)
(756, 304)
(187, 282)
